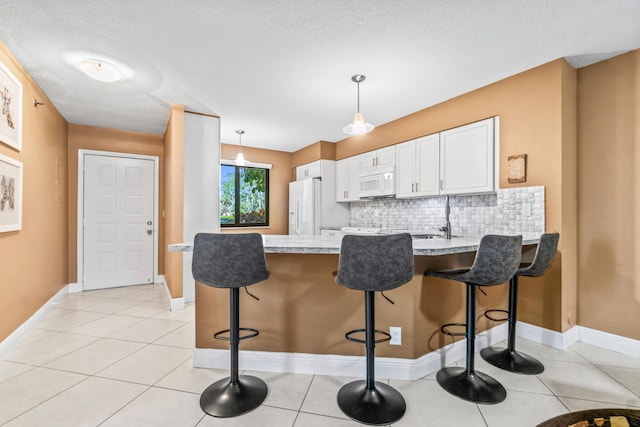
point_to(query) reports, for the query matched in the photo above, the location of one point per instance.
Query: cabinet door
(368, 162)
(354, 173)
(347, 172)
(406, 169)
(309, 170)
(373, 160)
(386, 157)
(467, 159)
(427, 155)
(342, 180)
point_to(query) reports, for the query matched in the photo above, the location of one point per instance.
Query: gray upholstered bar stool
(231, 261)
(370, 264)
(508, 358)
(496, 261)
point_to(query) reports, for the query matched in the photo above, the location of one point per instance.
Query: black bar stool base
(381, 405)
(223, 399)
(474, 387)
(512, 361)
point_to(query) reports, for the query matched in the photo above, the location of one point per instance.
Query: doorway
(117, 215)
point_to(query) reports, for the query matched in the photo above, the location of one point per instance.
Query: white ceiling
(281, 69)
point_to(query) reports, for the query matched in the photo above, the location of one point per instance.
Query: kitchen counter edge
(285, 244)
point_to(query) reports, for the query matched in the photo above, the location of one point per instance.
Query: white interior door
(118, 214)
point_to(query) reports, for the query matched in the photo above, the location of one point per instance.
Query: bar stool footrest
(512, 361)
(254, 333)
(489, 313)
(386, 336)
(381, 405)
(444, 330)
(473, 386)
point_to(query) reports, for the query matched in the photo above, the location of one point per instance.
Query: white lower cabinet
(467, 158)
(417, 167)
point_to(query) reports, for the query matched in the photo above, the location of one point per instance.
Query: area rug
(609, 417)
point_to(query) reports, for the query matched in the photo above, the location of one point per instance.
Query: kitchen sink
(430, 236)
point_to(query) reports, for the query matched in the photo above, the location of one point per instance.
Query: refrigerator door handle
(297, 216)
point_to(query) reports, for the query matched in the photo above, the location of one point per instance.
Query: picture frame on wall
(11, 118)
(10, 194)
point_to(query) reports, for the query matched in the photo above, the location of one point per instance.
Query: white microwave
(380, 184)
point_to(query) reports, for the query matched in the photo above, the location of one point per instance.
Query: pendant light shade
(359, 126)
(240, 158)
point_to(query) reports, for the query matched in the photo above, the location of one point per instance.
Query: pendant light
(359, 126)
(240, 158)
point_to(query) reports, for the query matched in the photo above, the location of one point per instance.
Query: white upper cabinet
(417, 166)
(373, 161)
(309, 170)
(347, 171)
(467, 158)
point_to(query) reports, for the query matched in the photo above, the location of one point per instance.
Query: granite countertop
(285, 244)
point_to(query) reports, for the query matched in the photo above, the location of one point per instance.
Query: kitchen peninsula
(302, 310)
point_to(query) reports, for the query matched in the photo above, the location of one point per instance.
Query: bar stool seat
(370, 264)
(509, 358)
(496, 261)
(231, 261)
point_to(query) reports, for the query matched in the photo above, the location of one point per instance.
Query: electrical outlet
(396, 335)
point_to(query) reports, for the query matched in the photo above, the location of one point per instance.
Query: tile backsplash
(508, 211)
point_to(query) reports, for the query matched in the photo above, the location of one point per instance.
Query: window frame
(236, 224)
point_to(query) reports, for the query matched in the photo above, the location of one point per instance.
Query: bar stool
(370, 264)
(231, 261)
(508, 358)
(496, 261)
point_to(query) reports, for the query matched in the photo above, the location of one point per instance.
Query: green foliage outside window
(244, 196)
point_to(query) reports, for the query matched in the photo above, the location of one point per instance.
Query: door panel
(118, 245)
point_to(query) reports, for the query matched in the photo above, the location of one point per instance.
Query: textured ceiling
(281, 69)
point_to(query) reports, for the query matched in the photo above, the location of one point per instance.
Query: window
(244, 196)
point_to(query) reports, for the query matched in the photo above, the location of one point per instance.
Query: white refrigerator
(305, 207)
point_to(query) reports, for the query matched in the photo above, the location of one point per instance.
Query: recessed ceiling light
(100, 70)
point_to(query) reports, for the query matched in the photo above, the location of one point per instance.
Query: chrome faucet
(447, 228)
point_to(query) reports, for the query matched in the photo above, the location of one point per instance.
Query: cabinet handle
(417, 187)
(413, 188)
(377, 161)
(441, 184)
(373, 161)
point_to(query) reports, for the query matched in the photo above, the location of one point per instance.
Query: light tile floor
(118, 357)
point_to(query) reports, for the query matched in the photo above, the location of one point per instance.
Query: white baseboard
(409, 369)
(8, 343)
(74, 288)
(332, 364)
(623, 345)
(174, 303)
(550, 338)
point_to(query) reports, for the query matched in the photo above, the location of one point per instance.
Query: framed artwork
(517, 169)
(11, 118)
(10, 194)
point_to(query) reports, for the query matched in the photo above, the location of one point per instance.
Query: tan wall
(173, 141)
(609, 195)
(535, 109)
(279, 178)
(34, 259)
(101, 139)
